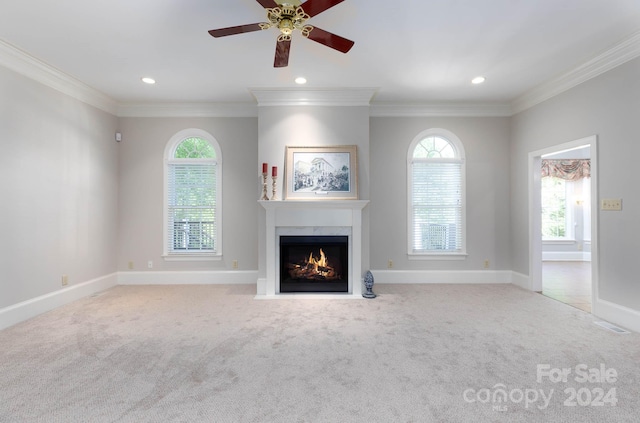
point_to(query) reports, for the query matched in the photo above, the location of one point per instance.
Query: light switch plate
(614, 204)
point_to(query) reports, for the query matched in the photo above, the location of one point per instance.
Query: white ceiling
(414, 51)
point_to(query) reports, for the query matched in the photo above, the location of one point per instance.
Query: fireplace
(314, 264)
(312, 219)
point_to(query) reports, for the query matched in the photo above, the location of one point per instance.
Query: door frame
(535, 213)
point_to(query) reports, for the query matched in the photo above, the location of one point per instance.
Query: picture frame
(321, 173)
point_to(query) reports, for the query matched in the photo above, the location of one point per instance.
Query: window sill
(192, 257)
(565, 241)
(437, 256)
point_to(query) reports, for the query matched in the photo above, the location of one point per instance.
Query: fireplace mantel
(315, 204)
(312, 217)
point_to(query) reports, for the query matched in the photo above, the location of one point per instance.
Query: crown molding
(313, 97)
(23, 63)
(441, 110)
(619, 54)
(251, 110)
(187, 110)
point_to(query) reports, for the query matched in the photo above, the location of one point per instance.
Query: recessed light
(148, 80)
(478, 80)
(301, 80)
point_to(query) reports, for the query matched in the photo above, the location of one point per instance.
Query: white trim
(313, 204)
(458, 146)
(522, 281)
(318, 296)
(558, 241)
(204, 277)
(27, 65)
(169, 151)
(534, 179)
(441, 109)
(619, 54)
(620, 315)
(327, 217)
(187, 110)
(535, 224)
(566, 256)
(25, 310)
(437, 256)
(192, 257)
(251, 109)
(313, 97)
(442, 276)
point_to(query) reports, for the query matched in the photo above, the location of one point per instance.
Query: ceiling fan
(287, 16)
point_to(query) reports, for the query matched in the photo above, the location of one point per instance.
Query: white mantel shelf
(309, 217)
(314, 204)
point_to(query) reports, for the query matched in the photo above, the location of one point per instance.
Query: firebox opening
(314, 264)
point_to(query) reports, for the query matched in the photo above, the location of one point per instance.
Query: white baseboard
(620, 315)
(25, 310)
(523, 281)
(625, 317)
(442, 276)
(566, 256)
(261, 289)
(205, 277)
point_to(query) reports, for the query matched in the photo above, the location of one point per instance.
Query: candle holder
(264, 197)
(274, 192)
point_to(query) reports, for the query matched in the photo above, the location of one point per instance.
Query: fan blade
(282, 54)
(232, 30)
(314, 7)
(330, 40)
(267, 4)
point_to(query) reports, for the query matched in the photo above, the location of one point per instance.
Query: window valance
(570, 170)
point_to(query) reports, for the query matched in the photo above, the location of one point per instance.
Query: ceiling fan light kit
(288, 16)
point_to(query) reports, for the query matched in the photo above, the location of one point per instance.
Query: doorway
(568, 282)
(563, 244)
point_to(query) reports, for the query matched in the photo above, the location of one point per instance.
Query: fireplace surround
(295, 218)
(312, 263)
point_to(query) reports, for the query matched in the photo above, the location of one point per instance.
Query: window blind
(436, 206)
(192, 205)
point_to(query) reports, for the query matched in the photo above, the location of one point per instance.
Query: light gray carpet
(417, 353)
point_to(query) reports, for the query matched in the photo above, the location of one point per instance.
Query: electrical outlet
(613, 204)
(65, 280)
(235, 264)
(130, 265)
(390, 264)
(486, 264)
(150, 264)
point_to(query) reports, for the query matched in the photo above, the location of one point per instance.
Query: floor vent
(612, 328)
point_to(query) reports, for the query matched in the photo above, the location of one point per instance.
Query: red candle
(274, 171)
(264, 167)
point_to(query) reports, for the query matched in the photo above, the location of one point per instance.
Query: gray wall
(141, 198)
(486, 145)
(607, 106)
(59, 170)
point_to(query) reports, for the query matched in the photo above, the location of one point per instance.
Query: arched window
(193, 169)
(436, 194)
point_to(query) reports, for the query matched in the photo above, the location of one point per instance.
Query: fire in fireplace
(314, 264)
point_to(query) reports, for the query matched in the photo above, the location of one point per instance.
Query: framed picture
(321, 173)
